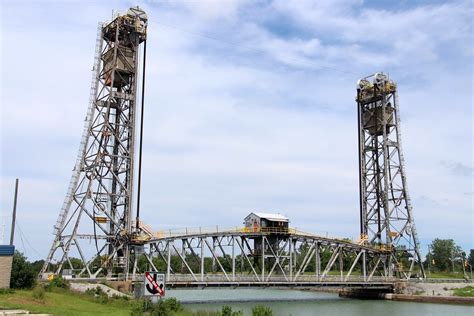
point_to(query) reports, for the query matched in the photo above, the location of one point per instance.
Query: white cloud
(410, 37)
(212, 9)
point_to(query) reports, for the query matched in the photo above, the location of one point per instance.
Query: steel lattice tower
(386, 215)
(97, 211)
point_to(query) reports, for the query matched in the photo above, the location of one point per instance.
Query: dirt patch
(24, 301)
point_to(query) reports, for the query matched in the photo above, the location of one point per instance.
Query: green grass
(445, 275)
(62, 303)
(66, 302)
(467, 291)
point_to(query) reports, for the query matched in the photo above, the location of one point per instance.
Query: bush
(162, 308)
(120, 297)
(39, 293)
(137, 307)
(97, 291)
(57, 282)
(227, 311)
(206, 313)
(260, 310)
(98, 294)
(172, 304)
(23, 275)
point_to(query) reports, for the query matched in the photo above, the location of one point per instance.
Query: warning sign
(154, 284)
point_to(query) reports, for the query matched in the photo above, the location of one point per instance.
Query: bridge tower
(95, 221)
(386, 215)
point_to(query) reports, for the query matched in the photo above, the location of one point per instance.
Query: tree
(443, 253)
(159, 263)
(37, 266)
(76, 263)
(23, 274)
(470, 259)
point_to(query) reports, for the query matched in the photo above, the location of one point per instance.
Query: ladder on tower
(59, 226)
(84, 140)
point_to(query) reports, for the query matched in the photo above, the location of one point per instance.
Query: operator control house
(266, 222)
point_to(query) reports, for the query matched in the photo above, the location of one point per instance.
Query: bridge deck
(372, 285)
(182, 280)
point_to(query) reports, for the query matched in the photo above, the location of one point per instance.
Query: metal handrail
(209, 277)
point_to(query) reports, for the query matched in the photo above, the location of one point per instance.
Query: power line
(21, 238)
(258, 50)
(27, 241)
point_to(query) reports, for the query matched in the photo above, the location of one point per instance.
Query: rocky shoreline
(430, 299)
(429, 292)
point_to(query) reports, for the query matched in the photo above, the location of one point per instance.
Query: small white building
(266, 222)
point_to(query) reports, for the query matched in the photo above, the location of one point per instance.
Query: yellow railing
(383, 247)
(276, 230)
(368, 91)
(172, 233)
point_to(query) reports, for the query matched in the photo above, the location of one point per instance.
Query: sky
(249, 107)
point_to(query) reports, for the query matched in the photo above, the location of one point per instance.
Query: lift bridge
(99, 223)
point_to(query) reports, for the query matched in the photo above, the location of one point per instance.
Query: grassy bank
(467, 291)
(65, 302)
(445, 275)
(62, 302)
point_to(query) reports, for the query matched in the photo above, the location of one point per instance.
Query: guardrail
(221, 278)
(216, 229)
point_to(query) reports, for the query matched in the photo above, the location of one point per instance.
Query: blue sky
(249, 106)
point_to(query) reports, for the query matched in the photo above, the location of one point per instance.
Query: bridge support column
(364, 267)
(263, 258)
(168, 266)
(390, 266)
(233, 259)
(290, 254)
(341, 264)
(135, 266)
(242, 254)
(201, 242)
(183, 254)
(213, 257)
(317, 258)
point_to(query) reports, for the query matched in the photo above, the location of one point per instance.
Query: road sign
(154, 284)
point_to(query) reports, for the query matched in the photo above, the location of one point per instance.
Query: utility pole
(12, 235)
(463, 254)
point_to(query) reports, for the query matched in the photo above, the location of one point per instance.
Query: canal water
(302, 303)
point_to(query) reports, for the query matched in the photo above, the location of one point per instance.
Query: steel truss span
(99, 199)
(242, 258)
(386, 212)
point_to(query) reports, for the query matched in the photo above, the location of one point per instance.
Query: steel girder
(289, 259)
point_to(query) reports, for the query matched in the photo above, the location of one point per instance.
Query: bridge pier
(368, 293)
